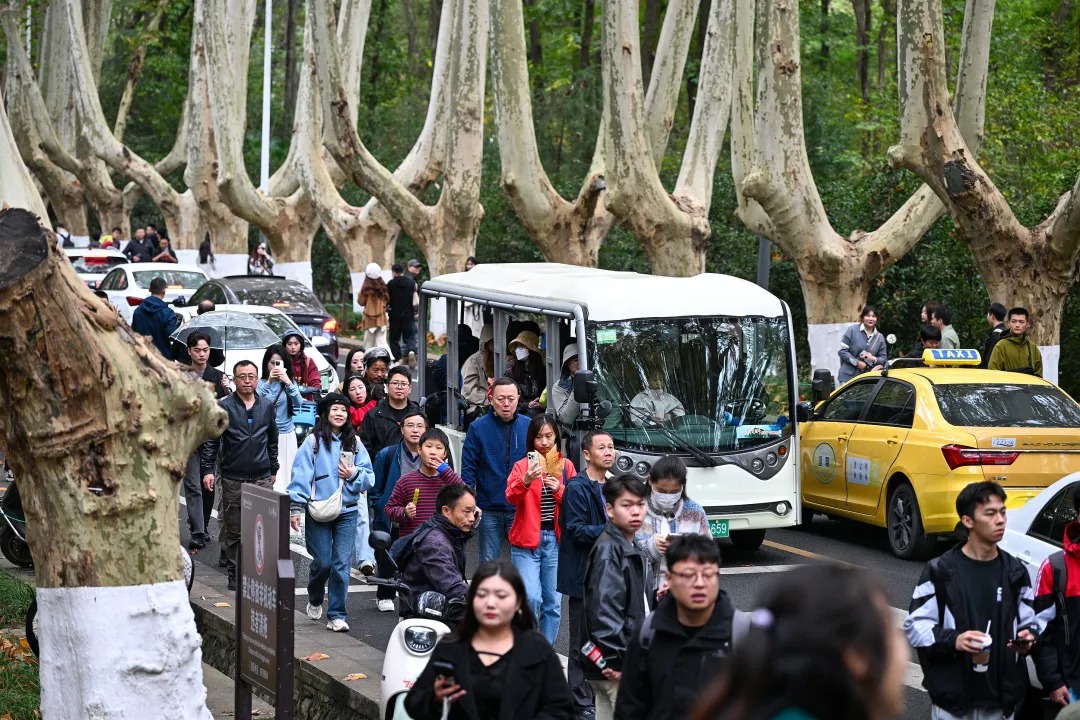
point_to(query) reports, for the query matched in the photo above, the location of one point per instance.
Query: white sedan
(277, 321)
(91, 265)
(128, 285)
(1034, 531)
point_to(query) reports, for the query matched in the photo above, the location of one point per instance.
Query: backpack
(1060, 582)
(740, 626)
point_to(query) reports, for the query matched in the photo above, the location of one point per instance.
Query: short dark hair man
(615, 589)
(155, 319)
(1057, 602)
(199, 499)
(929, 339)
(382, 425)
(966, 648)
(583, 518)
(138, 249)
(493, 443)
(682, 646)
(248, 450)
(1017, 352)
(995, 318)
(941, 318)
(402, 288)
(433, 556)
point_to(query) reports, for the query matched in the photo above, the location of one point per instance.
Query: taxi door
(824, 442)
(876, 443)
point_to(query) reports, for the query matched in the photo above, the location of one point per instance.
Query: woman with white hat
(374, 296)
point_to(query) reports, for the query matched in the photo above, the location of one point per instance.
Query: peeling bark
(16, 186)
(98, 427)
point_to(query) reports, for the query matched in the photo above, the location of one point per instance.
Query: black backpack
(1060, 582)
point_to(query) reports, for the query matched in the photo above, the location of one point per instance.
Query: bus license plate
(719, 528)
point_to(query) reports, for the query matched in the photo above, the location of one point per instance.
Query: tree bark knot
(959, 179)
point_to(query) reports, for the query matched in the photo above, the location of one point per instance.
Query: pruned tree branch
(16, 185)
(665, 80)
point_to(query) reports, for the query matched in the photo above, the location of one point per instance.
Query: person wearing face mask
(528, 370)
(669, 513)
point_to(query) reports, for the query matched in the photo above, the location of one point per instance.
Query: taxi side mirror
(585, 386)
(822, 385)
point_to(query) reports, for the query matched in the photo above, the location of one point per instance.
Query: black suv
(289, 296)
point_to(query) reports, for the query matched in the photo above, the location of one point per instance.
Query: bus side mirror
(585, 386)
(803, 411)
(821, 386)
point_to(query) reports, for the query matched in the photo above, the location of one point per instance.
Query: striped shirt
(547, 504)
(405, 491)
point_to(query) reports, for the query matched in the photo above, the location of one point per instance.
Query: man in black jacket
(995, 318)
(249, 454)
(402, 288)
(200, 500)
(616, 599)
(682, 646)
(433, 556)
(972, 617)
(382, 425)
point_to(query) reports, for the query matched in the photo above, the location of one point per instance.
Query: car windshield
(978, 405)
(282, 295)
(278, 323)
(719, 384)
(96, 265)
(186, 279)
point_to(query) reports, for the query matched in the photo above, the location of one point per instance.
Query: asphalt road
(744, 576)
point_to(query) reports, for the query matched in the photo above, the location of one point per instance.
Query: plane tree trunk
(98, 428)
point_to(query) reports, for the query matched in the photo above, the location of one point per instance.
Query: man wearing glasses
(382, 425)
(683, 644)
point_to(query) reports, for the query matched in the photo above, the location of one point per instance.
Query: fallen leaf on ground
(222, 605)
(354, 676)
(316, 656)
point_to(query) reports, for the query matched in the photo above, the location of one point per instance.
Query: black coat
(583, 518)
(248, 451)
(379, 429)
(535, 687)
(615, 602)
(665, 681)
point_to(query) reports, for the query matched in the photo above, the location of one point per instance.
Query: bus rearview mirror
(585, 386)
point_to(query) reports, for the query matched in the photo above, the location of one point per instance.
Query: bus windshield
(720, 384)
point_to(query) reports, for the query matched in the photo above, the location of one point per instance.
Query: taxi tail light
(330, 325)
(963, 456)
(134, 301)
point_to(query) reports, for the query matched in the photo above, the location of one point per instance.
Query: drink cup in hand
(981, 661)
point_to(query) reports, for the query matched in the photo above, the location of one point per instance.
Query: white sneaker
(367, 569)
(385, 605)
(314, 611)
(338, 625)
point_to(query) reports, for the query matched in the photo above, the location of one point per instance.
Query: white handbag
(329, 509)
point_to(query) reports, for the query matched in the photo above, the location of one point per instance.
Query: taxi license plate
(719, 528)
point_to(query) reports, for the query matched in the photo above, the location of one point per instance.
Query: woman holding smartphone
(495, 666)
(332, 458)
(535, 488)
(668, 512)
(278, 386)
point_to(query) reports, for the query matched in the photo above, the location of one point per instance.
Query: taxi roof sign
(957, 356)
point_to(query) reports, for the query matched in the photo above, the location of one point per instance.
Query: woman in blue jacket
(318, 471)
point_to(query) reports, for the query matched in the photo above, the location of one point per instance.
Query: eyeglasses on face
(690, 576)
(398, 384)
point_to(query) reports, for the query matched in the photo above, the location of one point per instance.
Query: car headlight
(420, 639)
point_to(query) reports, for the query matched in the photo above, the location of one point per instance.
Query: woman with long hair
(668, 512)
(821, 646)
(260, 262)
(332, 459)
(354, 365)
(304, 369)
(278, 385)
(502, 668)
(374, 297)
(535, 488)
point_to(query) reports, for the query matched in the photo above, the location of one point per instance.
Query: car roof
(306, 304)
(93, 252)
(243, 281)
(161, 266)
(964, 376)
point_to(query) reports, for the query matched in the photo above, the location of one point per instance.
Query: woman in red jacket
(303, 367)
(535, 489)
(359, 404)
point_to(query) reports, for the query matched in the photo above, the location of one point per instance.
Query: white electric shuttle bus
(716, 348)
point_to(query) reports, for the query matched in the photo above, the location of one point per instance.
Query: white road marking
(352, 589)
(755, 569)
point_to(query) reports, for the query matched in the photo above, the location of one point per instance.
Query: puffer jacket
(315, 475)
(615, 602)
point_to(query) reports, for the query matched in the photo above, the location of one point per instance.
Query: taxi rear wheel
(904, 524)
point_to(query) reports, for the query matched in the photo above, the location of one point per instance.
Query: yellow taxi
(893, 448)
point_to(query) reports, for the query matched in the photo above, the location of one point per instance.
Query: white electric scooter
(424, 621)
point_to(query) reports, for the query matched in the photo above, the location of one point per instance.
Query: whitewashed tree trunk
(98, 427)
(1031, 267)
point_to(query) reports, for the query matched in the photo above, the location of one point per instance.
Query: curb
(319, 692)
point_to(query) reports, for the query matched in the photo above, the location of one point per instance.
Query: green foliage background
(1029, 147)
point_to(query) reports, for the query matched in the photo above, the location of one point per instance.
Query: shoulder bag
(329, 509)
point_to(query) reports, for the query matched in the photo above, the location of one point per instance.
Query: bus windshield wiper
(700, 455)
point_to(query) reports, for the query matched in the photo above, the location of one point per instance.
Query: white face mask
(666, 502)
(521, 353)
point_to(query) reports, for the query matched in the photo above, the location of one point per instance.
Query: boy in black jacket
(616, 599)
(972, 617)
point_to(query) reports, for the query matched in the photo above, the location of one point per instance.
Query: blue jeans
(364, 552)
(494, 530)
(539, 569)
(331, 545)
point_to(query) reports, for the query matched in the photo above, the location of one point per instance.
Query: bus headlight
(624, 463)
(642, 468)
(770, 459)
(757, 465)
(782, 508)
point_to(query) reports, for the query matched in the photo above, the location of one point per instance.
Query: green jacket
(1016, 353)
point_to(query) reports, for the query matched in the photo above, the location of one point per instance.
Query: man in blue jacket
(492, 445)
(583, 518)
(155, 319)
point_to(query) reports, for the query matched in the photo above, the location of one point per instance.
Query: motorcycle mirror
(380, 540)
